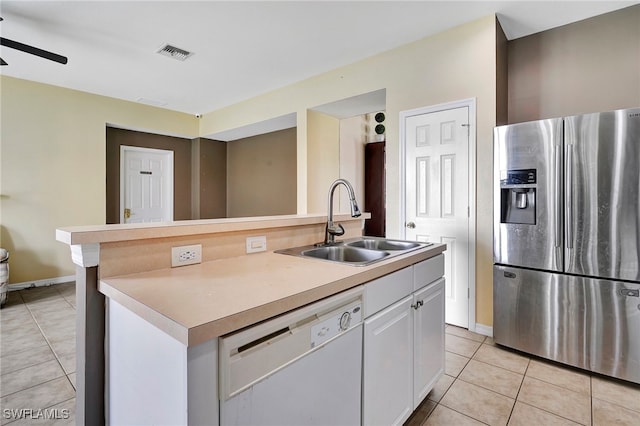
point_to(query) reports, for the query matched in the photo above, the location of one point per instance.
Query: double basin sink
(358, 251)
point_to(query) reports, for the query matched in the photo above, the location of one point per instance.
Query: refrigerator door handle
(569, 195)
(558, 188)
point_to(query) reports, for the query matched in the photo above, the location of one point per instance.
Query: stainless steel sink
(384, 244)
(346, 254)
(356, 252)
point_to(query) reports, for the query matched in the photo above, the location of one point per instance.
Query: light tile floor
(483, 384)
(488, 384)
(37, 356)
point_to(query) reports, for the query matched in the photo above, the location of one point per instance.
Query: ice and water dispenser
(518, 196)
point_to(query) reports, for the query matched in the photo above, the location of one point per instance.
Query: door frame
(168, 177)
(404, 115)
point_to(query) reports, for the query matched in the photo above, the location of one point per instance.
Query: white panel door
(437, 194)
(146, 185)
(388, 366)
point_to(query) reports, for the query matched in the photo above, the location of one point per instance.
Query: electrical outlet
(186, 255)
(256, 244)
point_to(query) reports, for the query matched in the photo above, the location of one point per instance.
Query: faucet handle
(335, 229)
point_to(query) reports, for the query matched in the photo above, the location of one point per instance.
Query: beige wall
(502, 76)
(335, 148)
(52, 165)
(261, 175)
(588, 66)
(456, 64)
(323, 158)
(354, 132)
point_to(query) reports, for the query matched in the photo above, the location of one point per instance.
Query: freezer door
(614, 320)
(528, 195)
(541, 313)
(602, 187)
(584, 322)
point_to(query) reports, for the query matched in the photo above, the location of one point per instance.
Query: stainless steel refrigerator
(566, 278)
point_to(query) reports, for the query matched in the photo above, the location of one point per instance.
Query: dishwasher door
(303, 368)
(321, 388)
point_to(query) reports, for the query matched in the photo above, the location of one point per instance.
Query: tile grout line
(489, 389)
(524, 375)
(63, 296)
(591, 398)
(48, 343)
(57, 359)
(549, 412)
(66, 375)
(458, 378)
(616, 404)
(558, 386)
(519, 389)
(33, 386)
(44, 408)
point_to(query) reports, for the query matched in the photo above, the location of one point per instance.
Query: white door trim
(471, 104)
(169, 176)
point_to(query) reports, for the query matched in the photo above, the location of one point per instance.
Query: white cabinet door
(388, 367)
(428, 320)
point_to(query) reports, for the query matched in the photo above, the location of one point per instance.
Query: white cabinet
(428, 343)
(403, 343)
(387, 382)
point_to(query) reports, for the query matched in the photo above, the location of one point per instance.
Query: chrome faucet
(334, 229)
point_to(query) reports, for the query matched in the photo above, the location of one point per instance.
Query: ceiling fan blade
(32, 50)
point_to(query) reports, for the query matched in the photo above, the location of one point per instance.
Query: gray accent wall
(181, 169)
(262, 175)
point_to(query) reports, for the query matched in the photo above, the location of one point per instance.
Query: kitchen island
(163, 323)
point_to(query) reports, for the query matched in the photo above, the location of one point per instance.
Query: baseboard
(484, 330)
(40, 283)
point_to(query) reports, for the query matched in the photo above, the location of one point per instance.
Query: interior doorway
(439, 168)
(146, 185)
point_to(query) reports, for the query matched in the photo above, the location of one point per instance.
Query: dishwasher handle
(263, 339)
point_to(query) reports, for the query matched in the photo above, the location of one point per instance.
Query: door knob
(410, 225)
(127, 213)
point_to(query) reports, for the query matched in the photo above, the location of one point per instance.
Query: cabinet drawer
(427, 271)
(384, 291)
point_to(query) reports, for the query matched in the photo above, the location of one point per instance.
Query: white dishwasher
(301, 368)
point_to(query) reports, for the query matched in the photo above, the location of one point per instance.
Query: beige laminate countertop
(199, 302)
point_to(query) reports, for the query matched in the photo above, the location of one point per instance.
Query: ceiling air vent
(174, 52)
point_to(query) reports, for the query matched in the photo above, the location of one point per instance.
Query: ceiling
(240, 49)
